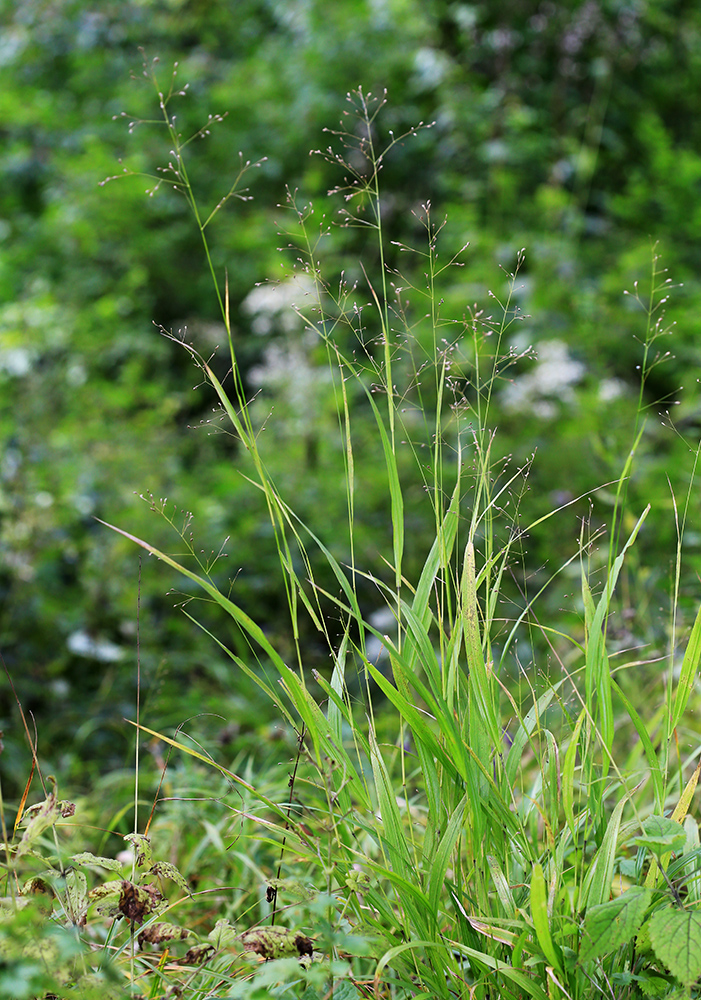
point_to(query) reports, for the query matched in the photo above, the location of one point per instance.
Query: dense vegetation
(568, 130)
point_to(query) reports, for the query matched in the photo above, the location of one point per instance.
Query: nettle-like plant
(454, 827)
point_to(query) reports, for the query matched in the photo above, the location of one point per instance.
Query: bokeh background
(568, 128)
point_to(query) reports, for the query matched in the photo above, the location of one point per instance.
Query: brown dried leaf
(276, 942)
(197, 954)
(136, 902)
(158, 933)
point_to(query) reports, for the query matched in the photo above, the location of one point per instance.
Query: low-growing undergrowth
(444, 817)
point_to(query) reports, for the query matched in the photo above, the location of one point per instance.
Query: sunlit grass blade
(441, 857)
(541, 920)
(678, 815)
(649, 750)
(597, 884)
(687, 675)
(568, 766)
(597, 673)
(395, 490)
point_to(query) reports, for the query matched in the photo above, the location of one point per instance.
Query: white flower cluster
(552, 380)
(288, 374)
(287, 371)
(272, 304)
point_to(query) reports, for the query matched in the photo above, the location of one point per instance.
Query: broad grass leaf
(541, 921)
(597, 672)
(609, 925)
(439, 866)
(692, 868)
(335, 710)
(525, 729)
(597, 884)
(650, 755)
(494, 931)
(502, 887)
(395, 834)
(526, 985)
(687, 676)
(568, 773)
(395, 491)
(675, 936)
(437, 559)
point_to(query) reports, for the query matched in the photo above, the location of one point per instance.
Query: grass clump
(454, 822)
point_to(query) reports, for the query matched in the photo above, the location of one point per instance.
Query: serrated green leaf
(678, 816)
(112, 888)
(687, 675)
(661, 834)
(294, 890)
(311, 994)
(653, 987)
(675, 936)
(344, 990)
(142, 848)
(223, 935)
(164, 869)
(612, 924)
(38, 818)
(86, 858)
(161, 932)
(77, 896)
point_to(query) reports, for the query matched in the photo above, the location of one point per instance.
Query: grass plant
(452, 823)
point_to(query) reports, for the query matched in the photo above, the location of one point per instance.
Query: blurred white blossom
(611, 388)
(80, 643)
(288, 374)
(16, 361)
(271, 304)
(551, 381)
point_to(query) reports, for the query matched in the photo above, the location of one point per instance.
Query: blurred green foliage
(567, 128)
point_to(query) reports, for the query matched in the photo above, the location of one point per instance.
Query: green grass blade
(394, 833)
(483, 722)
(597, 673)
(568, 766)
(524, 732)
(334, 712)
(395, 491)
(266, 688)
(437, 559)
(501, 884)
(436, 875)
(541, 920)
(273, 806)
(650, 755)
(597, 884)
(687, 676)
